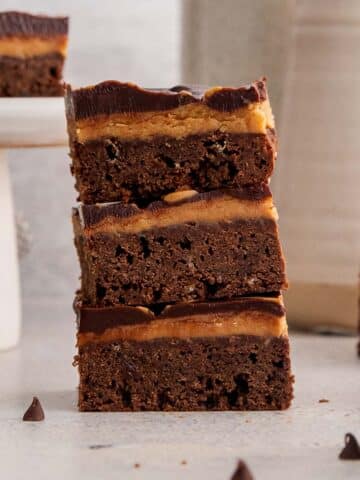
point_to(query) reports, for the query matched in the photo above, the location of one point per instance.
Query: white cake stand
(24, 123)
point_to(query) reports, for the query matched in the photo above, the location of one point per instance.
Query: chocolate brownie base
(37, 76)
(242, 372)
(109, 169)
(212, 246)
(182, 263)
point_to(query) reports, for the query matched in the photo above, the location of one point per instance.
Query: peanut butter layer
(179, 208)
(192, 119)
(126, 111)
(24, 47)
(259, 316)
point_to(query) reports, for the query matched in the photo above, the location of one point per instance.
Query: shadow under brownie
(209, 356)
(189, 247)
(134, 145)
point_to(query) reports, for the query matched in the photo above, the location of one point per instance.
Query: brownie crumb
(242, 472)
(137, 465)
(35, 412)
(351, 451)
(324, 400)
(99, 447)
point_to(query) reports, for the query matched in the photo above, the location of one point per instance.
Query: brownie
(189, 247)
(134, 145)
(32, 54)
(210, 356)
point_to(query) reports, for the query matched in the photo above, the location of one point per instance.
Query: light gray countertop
(303, 442)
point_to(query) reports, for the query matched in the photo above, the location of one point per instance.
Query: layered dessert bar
(189, 247)
(32, 54)
(230, 355)
(130, 144)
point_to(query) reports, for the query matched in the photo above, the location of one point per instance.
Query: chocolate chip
(183, 462)
(137, 465)
(323, 400)
(351, 451)
(35, 412)
(242, 472)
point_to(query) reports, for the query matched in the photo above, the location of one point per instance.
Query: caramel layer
(235, 319)
(24, 47)
(191, 119)
(200, 208)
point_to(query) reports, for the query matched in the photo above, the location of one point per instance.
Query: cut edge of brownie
(109, 169)
(113, 162)
(241, 372)
(188, 262)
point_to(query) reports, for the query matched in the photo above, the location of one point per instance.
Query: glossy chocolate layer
(259, 317)
(228, 99)
(111, 97)
(21, 24)
(97, 320)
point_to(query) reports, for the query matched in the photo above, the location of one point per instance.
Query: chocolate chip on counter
(35, 412)
(351, 451)
(242, 472)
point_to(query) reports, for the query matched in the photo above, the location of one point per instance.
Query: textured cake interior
(180, 263)
(223, 373)
(111, 169)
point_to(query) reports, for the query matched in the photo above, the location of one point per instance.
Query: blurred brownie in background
(32, 53)
(132, 144)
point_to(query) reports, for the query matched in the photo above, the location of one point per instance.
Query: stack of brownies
(181, 265)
